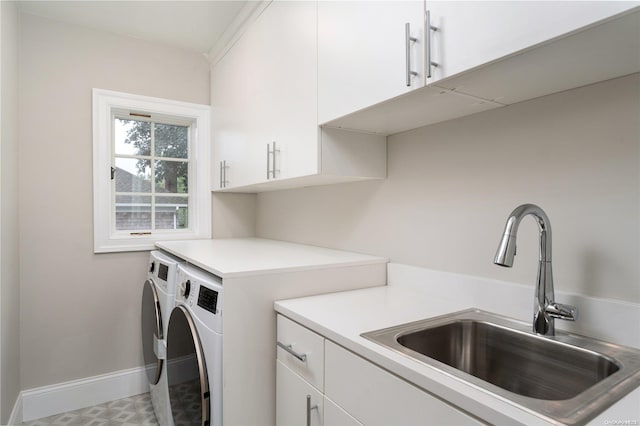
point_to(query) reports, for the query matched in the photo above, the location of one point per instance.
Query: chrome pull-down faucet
(545, 309)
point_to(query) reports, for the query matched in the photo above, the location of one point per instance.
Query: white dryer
(194, 349)
(158, 299)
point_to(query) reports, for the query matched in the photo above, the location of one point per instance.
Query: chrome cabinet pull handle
(309, 408)
(273, 162)
(289, 349)
(268, 160)
(427, 45)
(407, 44)
(223, 174)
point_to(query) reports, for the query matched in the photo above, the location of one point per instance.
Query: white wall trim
(16, 414)
(249, 13)
(105, 104)
(69, 396)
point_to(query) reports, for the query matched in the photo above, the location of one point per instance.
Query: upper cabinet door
(288, 75)
(473, 33)
(263, 91)
(362, 53)
(232, 109)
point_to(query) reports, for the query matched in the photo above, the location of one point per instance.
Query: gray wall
(80, 311)
(451, 186)
(9, 260)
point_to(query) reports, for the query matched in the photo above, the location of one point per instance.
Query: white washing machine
(158, 299)
(194, 349)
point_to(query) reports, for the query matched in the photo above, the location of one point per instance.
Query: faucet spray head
(506, 251)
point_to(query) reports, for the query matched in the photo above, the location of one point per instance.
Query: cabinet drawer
(291, 400)
(375, 397)
(307, 345)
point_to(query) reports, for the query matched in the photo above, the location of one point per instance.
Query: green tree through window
(170, 141)
(151, 175)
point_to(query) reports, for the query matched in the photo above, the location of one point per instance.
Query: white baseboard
(69, 396)
(16, 414)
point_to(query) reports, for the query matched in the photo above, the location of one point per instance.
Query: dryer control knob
(185, 289)
(152, 267)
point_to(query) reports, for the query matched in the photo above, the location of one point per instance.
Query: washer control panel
(163, 269)
(203, 294)
(208, 299)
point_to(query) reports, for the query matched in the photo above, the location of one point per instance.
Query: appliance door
(186, 371)
(151, 331)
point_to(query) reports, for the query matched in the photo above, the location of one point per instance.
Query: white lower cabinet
(292, 408)
(336, 416)
(296, 342)
(354, 391)
(375, 397)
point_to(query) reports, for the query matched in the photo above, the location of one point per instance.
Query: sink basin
(518, 362)
(565, 378)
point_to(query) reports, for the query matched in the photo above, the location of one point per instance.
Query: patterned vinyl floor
(134, 411)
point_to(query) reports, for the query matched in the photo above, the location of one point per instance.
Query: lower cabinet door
(336, 416)
(376, 397)
(292, 407)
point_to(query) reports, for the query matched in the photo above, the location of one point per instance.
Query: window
(150, 171)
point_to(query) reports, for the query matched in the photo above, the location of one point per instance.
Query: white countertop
(234, 257)
(342, 317)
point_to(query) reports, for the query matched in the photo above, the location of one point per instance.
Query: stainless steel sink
(518, 362)
(565, 378)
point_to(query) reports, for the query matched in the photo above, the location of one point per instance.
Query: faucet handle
(560, 311)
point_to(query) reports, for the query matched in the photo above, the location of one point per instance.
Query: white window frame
(108, 103)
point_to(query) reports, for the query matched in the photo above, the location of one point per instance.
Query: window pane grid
(151, 157)
(162, 200)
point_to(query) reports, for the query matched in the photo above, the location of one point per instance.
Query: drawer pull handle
(309, 408)
(288, 348)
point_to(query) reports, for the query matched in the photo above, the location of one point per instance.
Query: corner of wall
(15, 418)
(233, 215)
(9, 249)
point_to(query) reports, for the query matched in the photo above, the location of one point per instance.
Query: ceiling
(192, 25)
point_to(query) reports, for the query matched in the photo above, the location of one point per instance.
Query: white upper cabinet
(578, 43)
(284, 75)
(264, 91)
(365, 55)
(308, 93)
(488, 54)
(474, 33)
(264, 97)
(232, 94)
